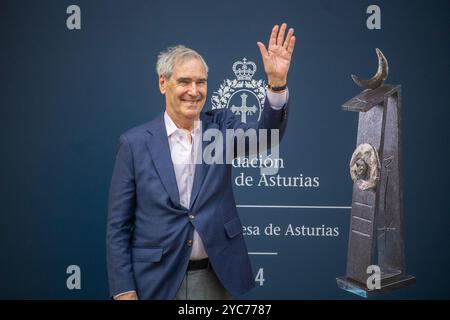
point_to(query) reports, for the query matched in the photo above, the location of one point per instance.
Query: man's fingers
(281, 34)
(273, 36)
(288, 38)
(277, 39)
(291, 45)
(263, 50)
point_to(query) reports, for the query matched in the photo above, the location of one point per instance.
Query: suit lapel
(201, 169)
(158, 146)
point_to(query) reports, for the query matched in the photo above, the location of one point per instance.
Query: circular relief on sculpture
(365, 167)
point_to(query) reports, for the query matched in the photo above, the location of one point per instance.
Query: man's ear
(162, 84)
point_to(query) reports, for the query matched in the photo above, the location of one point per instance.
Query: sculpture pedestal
(387, 284)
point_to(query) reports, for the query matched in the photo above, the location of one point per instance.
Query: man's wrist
(277, 88)
(276, 81)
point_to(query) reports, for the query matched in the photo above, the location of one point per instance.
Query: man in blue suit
(173, 230)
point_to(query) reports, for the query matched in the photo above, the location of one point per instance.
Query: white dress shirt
(182, 151)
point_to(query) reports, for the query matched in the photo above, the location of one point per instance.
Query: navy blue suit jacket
(148, 229)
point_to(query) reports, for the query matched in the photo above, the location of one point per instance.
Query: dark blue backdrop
(66, 96)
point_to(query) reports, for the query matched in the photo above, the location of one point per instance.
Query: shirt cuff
(277, 99)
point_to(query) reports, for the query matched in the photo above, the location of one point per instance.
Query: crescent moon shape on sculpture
(378, 79)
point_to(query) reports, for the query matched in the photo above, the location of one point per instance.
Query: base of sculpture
(387, 284)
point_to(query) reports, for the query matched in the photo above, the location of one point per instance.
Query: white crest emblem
(244, 96)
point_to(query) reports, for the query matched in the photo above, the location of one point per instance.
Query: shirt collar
(171, 127)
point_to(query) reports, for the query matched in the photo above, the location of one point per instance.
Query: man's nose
(193, 89)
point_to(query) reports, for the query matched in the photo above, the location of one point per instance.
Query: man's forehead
(189, 77)
(188, 65)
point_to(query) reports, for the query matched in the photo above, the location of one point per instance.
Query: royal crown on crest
(244, 70)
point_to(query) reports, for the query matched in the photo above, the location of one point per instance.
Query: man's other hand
(127, 296)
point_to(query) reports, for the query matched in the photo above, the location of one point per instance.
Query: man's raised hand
(277, 58)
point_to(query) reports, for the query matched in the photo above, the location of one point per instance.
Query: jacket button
(189, 243)
(191, 216)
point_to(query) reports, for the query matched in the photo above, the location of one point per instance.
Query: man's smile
(191, 100)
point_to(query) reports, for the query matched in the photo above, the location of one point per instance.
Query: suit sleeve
(121, 205)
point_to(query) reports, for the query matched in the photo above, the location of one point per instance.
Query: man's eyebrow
(189, 79)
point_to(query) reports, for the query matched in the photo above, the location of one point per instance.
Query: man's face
(185, 90)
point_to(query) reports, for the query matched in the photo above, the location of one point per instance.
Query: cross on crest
(243, 110)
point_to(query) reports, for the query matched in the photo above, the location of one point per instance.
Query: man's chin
(192, 115)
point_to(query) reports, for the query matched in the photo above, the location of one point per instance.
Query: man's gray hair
(167, 59)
